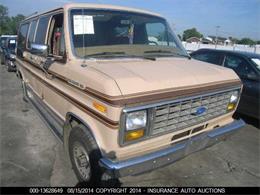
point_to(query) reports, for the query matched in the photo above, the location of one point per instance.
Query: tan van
(119, 90)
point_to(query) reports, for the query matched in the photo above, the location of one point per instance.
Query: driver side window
(56, 40)
(156, 34)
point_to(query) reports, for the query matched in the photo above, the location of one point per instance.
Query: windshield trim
(178, 42)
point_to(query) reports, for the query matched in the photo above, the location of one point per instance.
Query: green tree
(3, 19)
(14, 23)
(258, 42)
(234, 40)
(9, 25)
(191, 33)
(246, 41)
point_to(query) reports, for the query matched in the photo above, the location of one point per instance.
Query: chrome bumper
(169, 155)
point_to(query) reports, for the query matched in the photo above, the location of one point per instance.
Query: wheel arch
(71, 118)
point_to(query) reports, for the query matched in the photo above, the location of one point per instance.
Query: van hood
(139, 76)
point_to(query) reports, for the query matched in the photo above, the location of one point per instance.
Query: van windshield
(103, 33)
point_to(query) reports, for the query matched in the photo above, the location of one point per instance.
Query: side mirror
(39, 49)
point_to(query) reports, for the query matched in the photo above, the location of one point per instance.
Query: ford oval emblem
(200, 110)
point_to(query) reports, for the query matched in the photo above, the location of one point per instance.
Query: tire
(84, 155)
(9, 69)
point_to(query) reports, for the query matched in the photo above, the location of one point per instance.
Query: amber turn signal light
(100, 107)
(133, 135)
(231, 106)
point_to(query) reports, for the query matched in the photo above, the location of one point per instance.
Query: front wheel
(85, 155)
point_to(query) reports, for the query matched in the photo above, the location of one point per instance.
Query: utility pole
(216, 38)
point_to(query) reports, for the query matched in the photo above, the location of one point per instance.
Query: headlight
(234, 97)
(233, 101)
(136, 120)
(135, 125)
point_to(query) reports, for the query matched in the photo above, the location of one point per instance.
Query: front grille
(178, 115)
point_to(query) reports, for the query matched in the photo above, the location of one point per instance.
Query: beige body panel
(169, 73)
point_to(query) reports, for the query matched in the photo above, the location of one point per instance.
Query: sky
(236, 18)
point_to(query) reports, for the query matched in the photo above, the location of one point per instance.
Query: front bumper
(169, 155)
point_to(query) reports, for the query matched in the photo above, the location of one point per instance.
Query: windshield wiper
(120, 54)
(148, 58)
(143, 57)
(158, 51)
(167, 52)
(106, 53)
(183, 55)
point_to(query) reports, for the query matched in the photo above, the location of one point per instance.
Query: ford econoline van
(118, 89)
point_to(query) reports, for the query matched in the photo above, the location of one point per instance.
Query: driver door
(56, 52)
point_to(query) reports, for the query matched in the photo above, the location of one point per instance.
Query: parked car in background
(9, 54)
(247, 66)
(3, 39)
(117, 87)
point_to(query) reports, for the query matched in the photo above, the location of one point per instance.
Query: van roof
(96, 6)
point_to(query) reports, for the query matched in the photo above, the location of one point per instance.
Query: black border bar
(130, 190)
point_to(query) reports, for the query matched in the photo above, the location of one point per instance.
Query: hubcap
(81, 160)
